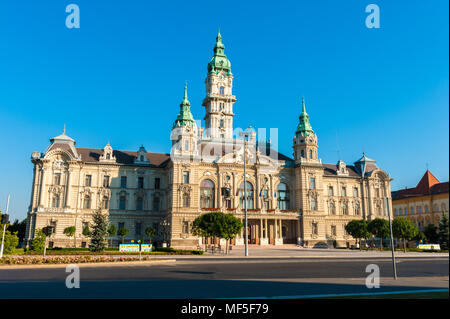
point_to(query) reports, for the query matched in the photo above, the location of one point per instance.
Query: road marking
(345, 295)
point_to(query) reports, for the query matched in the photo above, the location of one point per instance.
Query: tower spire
(304, 127)
(219, 61)
(185, 117)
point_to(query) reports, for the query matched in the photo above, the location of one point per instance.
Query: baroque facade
(297, 200)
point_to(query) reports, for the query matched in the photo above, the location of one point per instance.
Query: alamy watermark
(373, 279)
(73, 19)
(73, 279)
(373, 19)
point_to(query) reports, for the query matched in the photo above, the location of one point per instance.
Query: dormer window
(107, 155)
(141, 157)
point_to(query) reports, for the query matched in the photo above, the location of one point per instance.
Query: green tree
(20, 228)
(379, 227)
(69, 231)
(404, 229)
(203, 226)
(39, 241)
(357, 228)
(111, 233)
(122, 232)
(230, 228)
(11, 239)
(99, 232)
(150, 232)
(443, 232)
(431, 234)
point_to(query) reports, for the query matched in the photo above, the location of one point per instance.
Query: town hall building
(290, 200)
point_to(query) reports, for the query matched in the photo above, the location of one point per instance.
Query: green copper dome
(185, 117)
(304, 128)
(219, 61)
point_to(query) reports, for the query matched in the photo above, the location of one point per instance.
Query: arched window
(332, 208)
(105, 202)
(222, 90)
(249, 199)
(310, 154)
(344, 209)
(207, 194)
(87, 202)
(283, 196)
(55, 201)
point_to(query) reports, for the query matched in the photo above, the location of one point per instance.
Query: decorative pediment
(107, 155)
(341, 169)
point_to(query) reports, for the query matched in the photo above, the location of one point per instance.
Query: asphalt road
(219, 278)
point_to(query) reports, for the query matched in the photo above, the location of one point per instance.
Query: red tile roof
(428, 185)
(92, 155)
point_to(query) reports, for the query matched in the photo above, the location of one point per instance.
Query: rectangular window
(186, 200)
(344, 192)
(88, 180)
(312, 183)
(122, 202)
(186, 177)
(157, 183)
(355, 192)
(330, 191)
(123, 182)
(412, 210)
(140, 182)
(57, 179)
(121, 225)
(138, 229)
(139, 203)
(106, 181)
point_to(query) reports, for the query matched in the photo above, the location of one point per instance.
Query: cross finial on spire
(64, 129)
(185, 90)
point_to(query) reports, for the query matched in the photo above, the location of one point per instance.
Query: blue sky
(120, 78)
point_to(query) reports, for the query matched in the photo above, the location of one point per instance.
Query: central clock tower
(219, 98)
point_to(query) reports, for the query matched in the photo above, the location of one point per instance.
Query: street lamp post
(392, 239)
(245, 134)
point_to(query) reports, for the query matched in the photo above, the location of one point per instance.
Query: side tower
(219, 99)
(184, 131)
(305, 140)
(308, 182)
